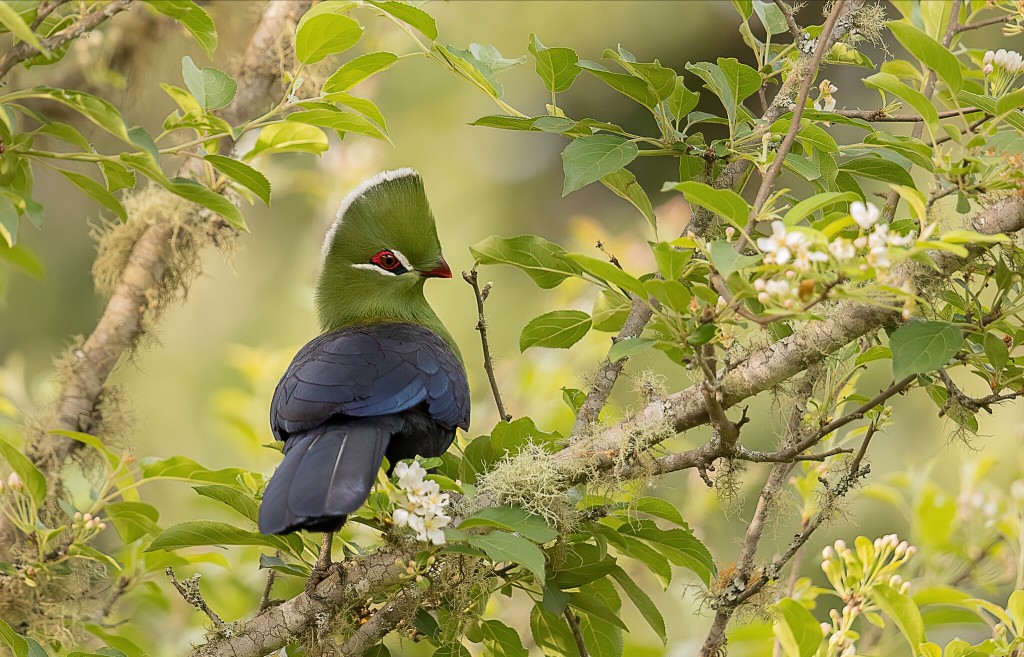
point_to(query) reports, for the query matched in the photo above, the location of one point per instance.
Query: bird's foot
(319, 574)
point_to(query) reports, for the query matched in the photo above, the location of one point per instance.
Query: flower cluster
(1001, 67)
(85, 525)
(875, 237)
(853, 573)
(826, 102)
(784, 245)
(424, 504)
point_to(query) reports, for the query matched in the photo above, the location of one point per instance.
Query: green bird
(383, 379)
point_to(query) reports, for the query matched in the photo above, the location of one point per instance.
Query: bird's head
(378, 253)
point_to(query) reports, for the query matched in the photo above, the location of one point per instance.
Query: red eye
(386, 260)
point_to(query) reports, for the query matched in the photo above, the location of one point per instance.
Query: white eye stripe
(375, 268)
(402, 259)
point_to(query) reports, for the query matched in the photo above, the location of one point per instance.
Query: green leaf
(606, 271)
(13, 640)
(656, 506)
(812, 204)
(208, 532)
(31, 477)
(681, 101)
(323, 31)
(988, 105)
(512, 519)
(187, 189)
(796, 629)
(596, 608)
(588, 159)
(212, 88)
(289, 137)
(133, 520)
(997, 353)
(771, 17)
(500, 640)
(624, 184)
(117, 175)
(91, 107)
(64, 132)
(920, 347)
(902, 610)
(628, 85)
(180, 467)
(543, 261)
(730, 80)
(660, 80)
(876, 168)
(552, 634)
(502, 546)
(671, 261)
(361, 105)
(280, 565)
(680, 546)
(726, 260)
(672, 294)
(890, 83)
(471, 68)
(914, 150)
(358, 69)
(97, 192)
(15, 24)
(1009, 102)
(557, 67)
(414, 16)
(507, 438)
(583, 563)
(558, 329)
(724, 202)
(642, 602)
(243, 174)
(8, 221)
(193, 18)
(929, 52)
(340, 121)
(629, 347)
(232, 497)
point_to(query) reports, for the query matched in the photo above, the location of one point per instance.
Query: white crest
(365, 186)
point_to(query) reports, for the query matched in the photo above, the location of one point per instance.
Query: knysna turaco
(384, 378)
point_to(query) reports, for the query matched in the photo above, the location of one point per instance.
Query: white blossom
(842, 248)
(782, 246)
(866, 216)
(424, 504)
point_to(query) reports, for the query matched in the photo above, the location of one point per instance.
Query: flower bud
(14, 481)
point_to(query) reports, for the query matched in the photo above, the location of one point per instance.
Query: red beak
(440, 271)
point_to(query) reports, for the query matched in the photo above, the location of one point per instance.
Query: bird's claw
(319, 574)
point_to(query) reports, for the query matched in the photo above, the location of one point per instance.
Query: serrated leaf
(730, 80)
(920, 347)
(501, 546)
(91, 107)
(877, 168)
(642, 602)
(543, 261)
(212, 88)
(582, 563)
(324, 31)
(358, 69)
(552, 634)
(557, 67)
(680, 546)
(193, 18)
(500, 640)
(558, 329)
(588, 159)
(289, 137)
(243, 174)
(512, 519)
(624, 184)
(96, 192)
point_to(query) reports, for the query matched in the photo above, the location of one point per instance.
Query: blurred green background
(203, 389)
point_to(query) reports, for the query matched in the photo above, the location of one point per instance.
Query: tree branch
(481, 326)
(189, 591)
(577, 633)
(794, 29)
(24, 50)
(880, 116)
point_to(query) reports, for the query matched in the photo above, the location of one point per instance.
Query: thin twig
(955, 395)
(985, 23)
(794, 124)
(794, 29)
(574, 625)
(189, 591)
(880, 116)
(267, 590)
(86, 23)
(481, 326)
(985, 553)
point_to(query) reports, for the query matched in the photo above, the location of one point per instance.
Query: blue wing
(366, 371)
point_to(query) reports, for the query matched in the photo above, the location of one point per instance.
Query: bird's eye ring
(386, 260)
